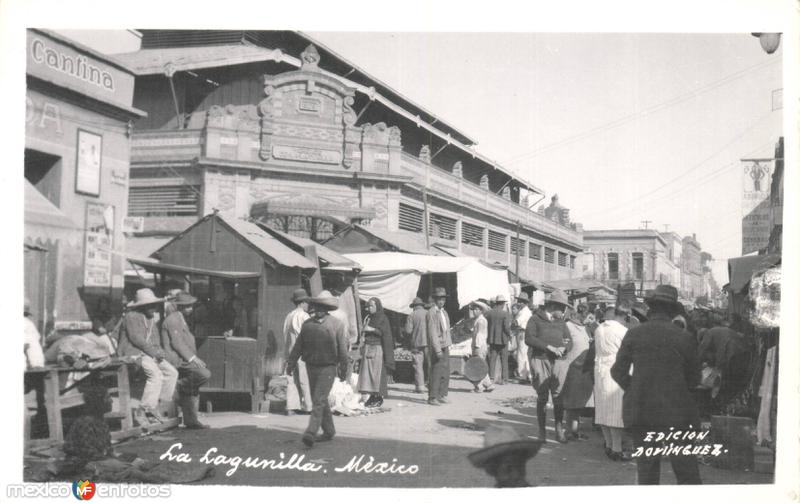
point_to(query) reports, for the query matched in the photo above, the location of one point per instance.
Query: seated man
(139, 337)
(181, 352)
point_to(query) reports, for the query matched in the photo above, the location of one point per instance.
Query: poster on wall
(755, 204)
(87, 170)
(98, 246)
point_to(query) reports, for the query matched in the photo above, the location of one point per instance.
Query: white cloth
(607, 393)
(298, 390)
(521, 353)
(34, 356)
(764, 425)
(481, 329)
(291, 328)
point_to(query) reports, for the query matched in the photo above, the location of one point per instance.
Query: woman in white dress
(607, 393)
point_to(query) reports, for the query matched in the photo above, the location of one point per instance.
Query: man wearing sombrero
(548, 340)
(658, 394)
(181, 351)
(322, 344)
(417, 332)
(140, 337)
(504, 455)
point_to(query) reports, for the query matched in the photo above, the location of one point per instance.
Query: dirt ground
(435, 439)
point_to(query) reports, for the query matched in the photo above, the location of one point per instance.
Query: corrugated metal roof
(267, 244)
(403, 240)
(154, 61)
(324, 253)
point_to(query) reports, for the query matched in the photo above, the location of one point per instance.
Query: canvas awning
(152, 265)
(741, 269)
(394, 277)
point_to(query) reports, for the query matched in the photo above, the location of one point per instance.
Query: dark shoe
(609, 453)
(189, 407)
(325, 437)
(477, 390)
(542, 434)
(489, 389)
(616, 456)
(433, 401)
(560, 437)
(308, 439)
(581, 436)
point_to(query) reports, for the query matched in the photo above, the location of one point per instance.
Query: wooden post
(315, 281)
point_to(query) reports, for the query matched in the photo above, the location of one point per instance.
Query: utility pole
(645, 222)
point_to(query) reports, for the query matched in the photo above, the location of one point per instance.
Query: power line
(647, 111)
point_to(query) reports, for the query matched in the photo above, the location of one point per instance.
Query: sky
(625, 128)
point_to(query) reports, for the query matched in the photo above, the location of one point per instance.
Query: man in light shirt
(298, 391)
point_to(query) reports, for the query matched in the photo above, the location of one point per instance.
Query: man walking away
(298, 391)
(322, 344)
(498, 322)
(416, 330)
(438, 328)
(658, 395)
(181, 352)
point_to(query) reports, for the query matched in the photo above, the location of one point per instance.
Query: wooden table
(49, 381)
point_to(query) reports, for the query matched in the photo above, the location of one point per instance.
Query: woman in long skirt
(377, 355)
(577, 393)
(607, 393)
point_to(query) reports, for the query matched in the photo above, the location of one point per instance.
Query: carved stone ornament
(425, 154)
(265, 110)
(310, 58)
(349, 115)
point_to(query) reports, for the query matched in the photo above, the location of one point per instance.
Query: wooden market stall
(244, 279)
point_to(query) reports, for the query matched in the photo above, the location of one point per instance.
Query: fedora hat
(523, 297)
(144, 297)
(184, 299)
(299, 295)
(439, 292)
(416, 302)
(503, 439)
(664, 294)
(481, 304)
(499, 299)
(557, 297)
(325, 300)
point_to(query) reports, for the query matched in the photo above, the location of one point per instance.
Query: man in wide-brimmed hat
(504, 455)
(298, 390)
(322, 344)
(140, 337)
(439, 340)
(498, 323)
(548, 340)
(416, 329)
(658, 395)
(181, 352)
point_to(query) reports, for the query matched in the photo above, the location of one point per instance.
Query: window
(514, 246)
(442, 227)
(562, 259)
(535, 251)
(613, 266)
(313, 228)
(471, 234)
(167, 201)
(572, 261)
(410, 218)
(638, 266)
(497, 241)
(549, 255)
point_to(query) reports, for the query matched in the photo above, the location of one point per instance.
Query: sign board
(306, 154)
(756, 183)
(132, 225)
(88, 163)
(98, 244)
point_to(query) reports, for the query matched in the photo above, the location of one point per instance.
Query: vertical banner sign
(757, 180)
(98, 246)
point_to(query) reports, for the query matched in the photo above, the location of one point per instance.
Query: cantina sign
(76, 66)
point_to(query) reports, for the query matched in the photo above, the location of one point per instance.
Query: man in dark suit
(416, 329)
(439, 338)
(658, 393)
(498, 322)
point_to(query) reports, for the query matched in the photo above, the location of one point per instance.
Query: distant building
(692, 283)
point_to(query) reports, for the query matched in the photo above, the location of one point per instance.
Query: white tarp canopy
(394, 277)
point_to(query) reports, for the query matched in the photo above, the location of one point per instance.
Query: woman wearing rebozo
(377, 355)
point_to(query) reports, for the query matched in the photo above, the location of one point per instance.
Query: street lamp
(769, 41)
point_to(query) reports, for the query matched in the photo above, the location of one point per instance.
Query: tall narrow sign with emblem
(757, 179)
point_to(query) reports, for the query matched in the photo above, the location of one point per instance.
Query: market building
(692, 282)
(274, 127)
(77, 149)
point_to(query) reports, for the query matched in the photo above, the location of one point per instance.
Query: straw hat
(184, 299)
(503, 439)
(325, 300)
(481, 305)
(500, 299)
(144, 297)
(557, 297)
(439, 292)
(523, 297)
(299, 295)
(416, 302)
